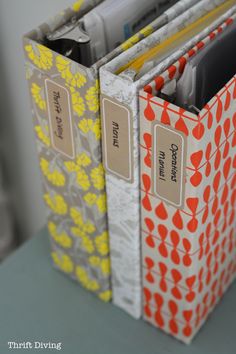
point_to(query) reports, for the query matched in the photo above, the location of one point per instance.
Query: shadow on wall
(22, 182)
(16, 134)
(10, 230)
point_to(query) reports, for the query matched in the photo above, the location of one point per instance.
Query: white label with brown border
(117, 139)
(169, 159)
(60, 120)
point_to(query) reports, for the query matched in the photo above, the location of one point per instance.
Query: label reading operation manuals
(117, 139)
(169, 157)
(60, 121)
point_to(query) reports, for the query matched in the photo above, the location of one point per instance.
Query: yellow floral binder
(74, 186)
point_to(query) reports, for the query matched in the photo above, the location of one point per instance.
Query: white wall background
(16, 18)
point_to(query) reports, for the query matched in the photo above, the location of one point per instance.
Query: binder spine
(65, 108)
(184, 247)
(122, 194)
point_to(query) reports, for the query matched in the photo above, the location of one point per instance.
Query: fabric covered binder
(66, 115)
(188, 196)
(119, 95)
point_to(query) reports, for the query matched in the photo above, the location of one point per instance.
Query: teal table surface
(38, 303)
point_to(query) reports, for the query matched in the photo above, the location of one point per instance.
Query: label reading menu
(117, 139)
(60, 121)
(169, 157)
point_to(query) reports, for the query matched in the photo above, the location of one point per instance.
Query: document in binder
(120, 86)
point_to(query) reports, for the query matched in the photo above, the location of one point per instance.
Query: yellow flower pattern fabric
(106, 295)
(56, 203)
(53, 175)
(36, 92)
(40, 55)
(43, 135)
(74, 189)
(101, 242)
(82, 179)
(65, 68)
(98, 177)
(77, 102)
(63, 261)
(85, 280)
(92, 98)
(99, 201)
(82, 230)
(61, 238)
(104, 264)
(77, 5)
(88, 125)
